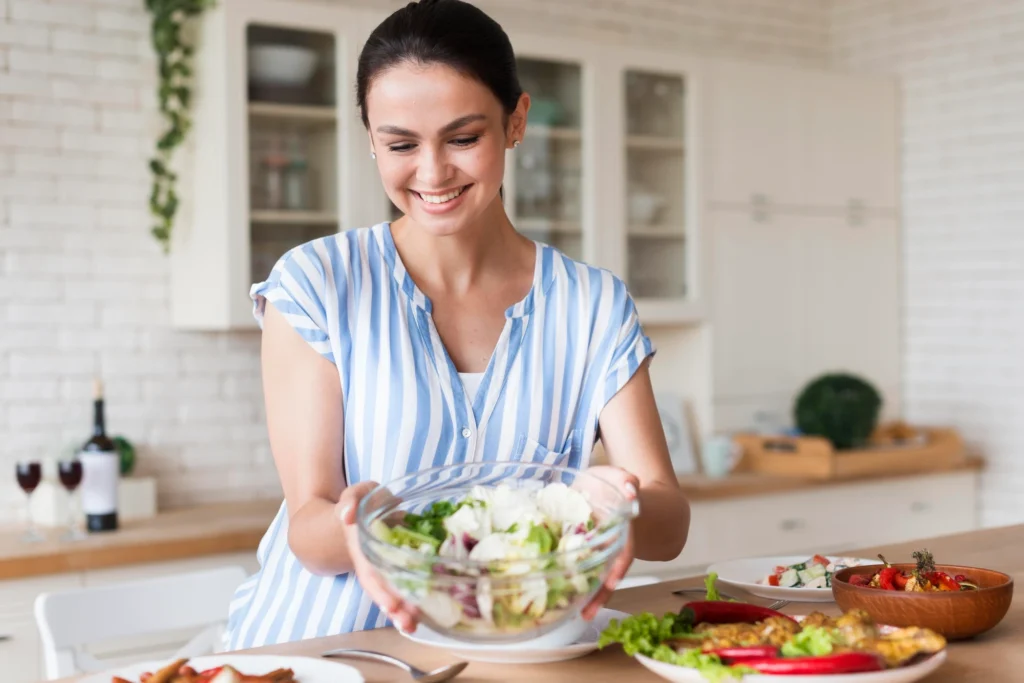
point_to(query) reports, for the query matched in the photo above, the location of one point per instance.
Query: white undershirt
(471, 380)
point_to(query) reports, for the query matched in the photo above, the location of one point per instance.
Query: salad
(499, 561)
(816, 572)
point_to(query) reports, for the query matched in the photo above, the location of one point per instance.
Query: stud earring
(515, 143)
(373, 155)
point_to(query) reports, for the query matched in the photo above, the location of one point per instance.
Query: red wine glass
(70, 473)
(29, 474)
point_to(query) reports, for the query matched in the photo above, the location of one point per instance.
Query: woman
(443, 337)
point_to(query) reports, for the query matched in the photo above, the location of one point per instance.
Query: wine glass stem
(32, 532)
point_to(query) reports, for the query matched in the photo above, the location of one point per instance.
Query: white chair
(70, 620)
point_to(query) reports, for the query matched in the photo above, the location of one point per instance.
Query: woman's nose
(433, 169)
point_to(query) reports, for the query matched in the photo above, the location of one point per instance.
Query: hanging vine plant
(174, 71)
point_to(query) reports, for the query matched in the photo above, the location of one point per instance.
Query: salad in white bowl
(498, 562)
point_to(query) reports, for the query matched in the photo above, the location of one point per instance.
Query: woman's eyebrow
(448, 128)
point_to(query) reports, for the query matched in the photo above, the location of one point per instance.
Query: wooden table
(995, 656)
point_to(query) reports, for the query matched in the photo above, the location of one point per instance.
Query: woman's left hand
(629, 484)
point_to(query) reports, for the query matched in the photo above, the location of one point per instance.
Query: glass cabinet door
(655, 185)
(293, 140)
(546, 203)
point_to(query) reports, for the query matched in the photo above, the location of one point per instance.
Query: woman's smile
(441, 202)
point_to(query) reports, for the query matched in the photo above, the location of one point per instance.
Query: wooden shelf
(304, 113)
(548, 226)
(661, 232)
(554, 132)
(294, 217)
(654, 143)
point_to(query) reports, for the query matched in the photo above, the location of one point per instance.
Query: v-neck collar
(517, 320)
(543, 275)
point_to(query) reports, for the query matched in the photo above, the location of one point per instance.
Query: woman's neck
(457, 263)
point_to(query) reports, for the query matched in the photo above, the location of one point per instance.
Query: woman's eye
(402, 147)
(466, 141)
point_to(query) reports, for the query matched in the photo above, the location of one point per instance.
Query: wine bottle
(101, 469)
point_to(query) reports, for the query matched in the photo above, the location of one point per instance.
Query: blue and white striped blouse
(565, 350)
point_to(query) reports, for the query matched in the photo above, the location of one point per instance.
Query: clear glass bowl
(511, 600)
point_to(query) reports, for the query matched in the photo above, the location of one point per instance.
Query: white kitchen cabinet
(757, 314)
(755, 145)
(851, 296)
(21, 656)
(851, 141)
(272, 163)
(825, 519)
(795, 296)
(781, 137)
(609, 166)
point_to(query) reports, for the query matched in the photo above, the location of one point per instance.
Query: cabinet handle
(791, 524)
(5, 637)
(920, 506)
(855, 212)
(760, 210)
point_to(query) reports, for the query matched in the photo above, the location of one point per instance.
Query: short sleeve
(298, 288)
(632, 346)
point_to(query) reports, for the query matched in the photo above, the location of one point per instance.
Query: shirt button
(466, 432)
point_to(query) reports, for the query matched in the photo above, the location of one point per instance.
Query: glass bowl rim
(626, 511)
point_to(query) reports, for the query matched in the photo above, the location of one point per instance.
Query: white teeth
(440, 198)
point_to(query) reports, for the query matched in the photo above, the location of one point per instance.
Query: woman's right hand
(402, 614)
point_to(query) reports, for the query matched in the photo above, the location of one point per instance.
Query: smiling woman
(444, 337)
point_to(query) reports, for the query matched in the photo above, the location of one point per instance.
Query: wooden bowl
(954, 615)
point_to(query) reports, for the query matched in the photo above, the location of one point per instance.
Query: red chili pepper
(899, 580)
(943, 580)
(843, 663)
(728, 655)
(722, 612)
(886, 578)
(860, 580)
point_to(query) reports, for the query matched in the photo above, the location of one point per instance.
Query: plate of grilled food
(722, 641)
(228, 668)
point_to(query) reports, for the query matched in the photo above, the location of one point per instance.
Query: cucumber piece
(789, 579)
(815, 570)
(805, 576)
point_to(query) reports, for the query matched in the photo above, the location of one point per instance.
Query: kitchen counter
(238, 527)
(740, 484)
(171, 535)
(990, 657)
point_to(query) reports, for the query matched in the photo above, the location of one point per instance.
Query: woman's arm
(634, 440)
(306, 426)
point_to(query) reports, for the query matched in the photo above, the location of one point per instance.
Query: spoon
(445, 673)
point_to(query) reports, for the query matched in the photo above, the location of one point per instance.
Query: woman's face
(440, 139)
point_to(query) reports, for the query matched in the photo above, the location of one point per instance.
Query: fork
(778, 604)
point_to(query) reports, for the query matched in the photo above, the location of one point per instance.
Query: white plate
(519, 653)
(905, 674)
(746, 574)
(307, 669)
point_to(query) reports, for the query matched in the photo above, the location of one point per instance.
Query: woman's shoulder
(334, 256)
(576, 279)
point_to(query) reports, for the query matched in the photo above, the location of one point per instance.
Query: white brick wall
(84, 289)
(963, 203)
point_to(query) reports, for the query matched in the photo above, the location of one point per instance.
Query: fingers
(616, 573)
(403, 615)
(349, 500)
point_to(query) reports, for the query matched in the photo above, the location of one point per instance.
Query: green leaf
(812, 641)
(542, 536)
